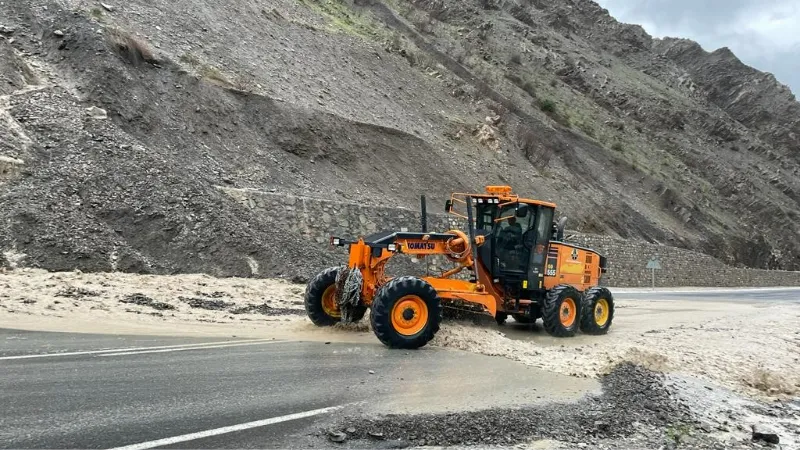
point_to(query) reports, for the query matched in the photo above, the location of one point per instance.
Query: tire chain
(348, 291)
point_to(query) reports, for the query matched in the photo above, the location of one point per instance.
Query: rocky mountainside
(122, 122)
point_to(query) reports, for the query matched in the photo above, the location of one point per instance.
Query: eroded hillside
(121, 121)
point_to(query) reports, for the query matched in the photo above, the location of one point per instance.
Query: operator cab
(517, 235)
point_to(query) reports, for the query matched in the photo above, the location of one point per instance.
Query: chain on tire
(348, 292)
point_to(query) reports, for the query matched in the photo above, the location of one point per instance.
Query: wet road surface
(714, 295)
(61, 390)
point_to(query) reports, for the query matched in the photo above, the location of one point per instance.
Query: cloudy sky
(763, 33)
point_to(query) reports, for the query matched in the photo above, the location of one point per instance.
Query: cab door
(537, 240)
(510, 254)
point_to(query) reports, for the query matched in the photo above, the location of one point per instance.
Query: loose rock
(97, 113)
(337, 436)
(766, 434)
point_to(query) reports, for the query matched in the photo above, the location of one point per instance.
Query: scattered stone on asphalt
(376, 435)
(107, 7)
(337, 436)
(372, 372)
(350, 430)
(59, 33)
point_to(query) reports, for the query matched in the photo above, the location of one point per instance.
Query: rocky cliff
(121, 121)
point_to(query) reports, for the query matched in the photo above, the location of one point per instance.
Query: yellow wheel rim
(568, 312)
(409, 315)
(329, 302)
(601, 312)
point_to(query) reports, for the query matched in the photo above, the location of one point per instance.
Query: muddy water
(433, 380)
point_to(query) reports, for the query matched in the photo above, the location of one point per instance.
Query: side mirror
(448, 206)
(521, 210)
(562, 223)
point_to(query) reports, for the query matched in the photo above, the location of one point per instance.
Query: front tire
(598, 311)
(320, 299)
(561, 311)
(406, 313)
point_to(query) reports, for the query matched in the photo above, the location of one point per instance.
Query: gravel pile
(635, 409)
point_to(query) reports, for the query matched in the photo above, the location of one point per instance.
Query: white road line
(721, 290)
(229, 429)
(128, 349)
(180, 349)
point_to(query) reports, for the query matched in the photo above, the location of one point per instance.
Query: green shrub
(547, 106)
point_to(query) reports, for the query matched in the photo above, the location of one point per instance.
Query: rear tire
(561, 311)
(406, 313)
(598, 311)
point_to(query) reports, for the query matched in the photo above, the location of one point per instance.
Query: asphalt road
(722, 295)
(61, 390)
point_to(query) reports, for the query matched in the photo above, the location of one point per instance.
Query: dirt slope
(378, 103)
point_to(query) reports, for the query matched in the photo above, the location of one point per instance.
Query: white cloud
(778, 26)
(762, 33)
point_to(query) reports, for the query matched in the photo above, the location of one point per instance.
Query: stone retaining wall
(318, 219)
(627, 261)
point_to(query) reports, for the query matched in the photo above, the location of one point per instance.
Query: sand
(752, 349)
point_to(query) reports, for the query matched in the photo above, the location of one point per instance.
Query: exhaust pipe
(424, 214)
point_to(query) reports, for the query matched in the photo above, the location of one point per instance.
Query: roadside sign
(654, 264)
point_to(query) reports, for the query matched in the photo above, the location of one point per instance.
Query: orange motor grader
(516, 258)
